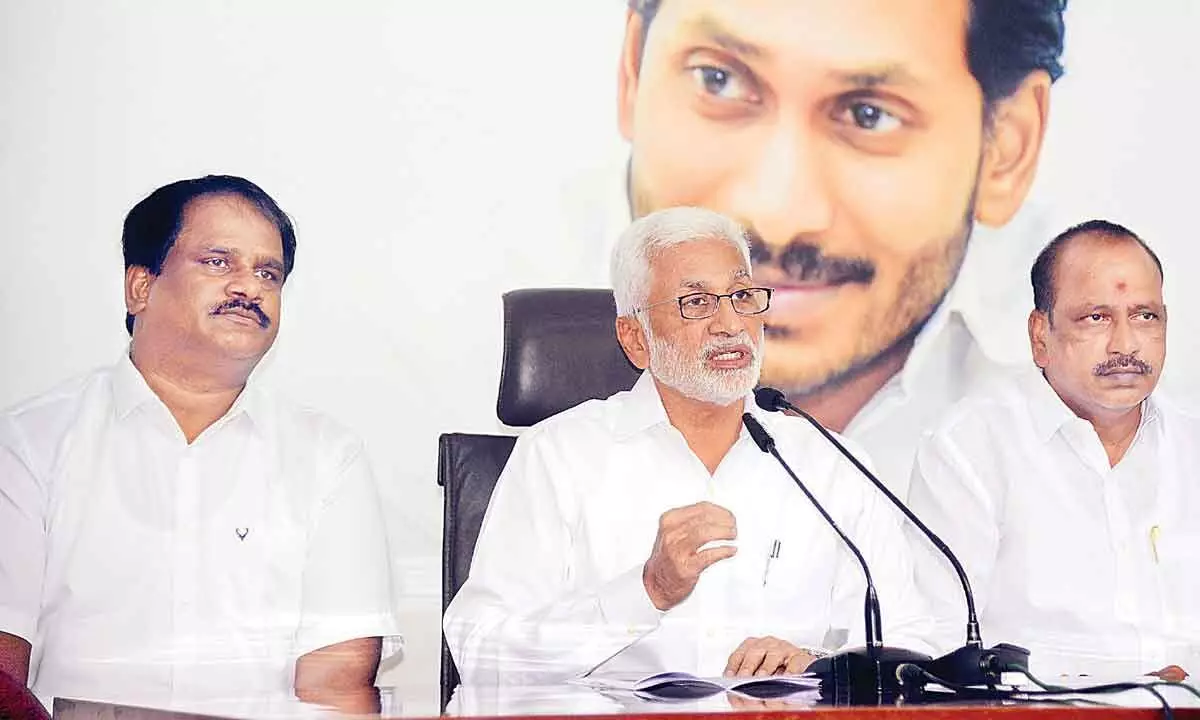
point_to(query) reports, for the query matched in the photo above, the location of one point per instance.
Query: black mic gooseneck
(773, 400)
(871, 613)
(971, 664)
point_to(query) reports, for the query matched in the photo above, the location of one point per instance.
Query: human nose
(1123, 338)
(785, 188)
(244, 283)
(726, 320)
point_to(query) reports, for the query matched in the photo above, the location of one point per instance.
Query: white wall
(415, 144)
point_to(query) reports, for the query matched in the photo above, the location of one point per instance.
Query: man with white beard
(647, 532)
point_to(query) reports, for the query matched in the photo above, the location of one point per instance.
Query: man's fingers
(704, 512)
(798, 663)
(737, 655)
(702, 532)
(751, 661)
(772, 661)
(698, 532)
(735, 659)
(704, 558)
(712, 510)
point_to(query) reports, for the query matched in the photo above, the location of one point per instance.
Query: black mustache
(804, 262)
(1123, 364)
(237, 303)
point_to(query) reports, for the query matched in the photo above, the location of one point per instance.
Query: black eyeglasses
(700, 305)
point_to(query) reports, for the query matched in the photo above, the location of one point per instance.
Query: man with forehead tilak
(1069, 490)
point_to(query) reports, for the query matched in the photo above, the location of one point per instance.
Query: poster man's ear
(627, 72)
(1012, 146)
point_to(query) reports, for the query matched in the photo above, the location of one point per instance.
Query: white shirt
(556, 581)
(1091, 567)
(138, 565)
(978, 329)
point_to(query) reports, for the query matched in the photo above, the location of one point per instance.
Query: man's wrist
(660, 603)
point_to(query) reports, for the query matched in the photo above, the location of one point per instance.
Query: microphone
(971, 664)
(859, 675)
(871, 613)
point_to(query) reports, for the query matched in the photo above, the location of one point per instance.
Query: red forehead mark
(1121, 285)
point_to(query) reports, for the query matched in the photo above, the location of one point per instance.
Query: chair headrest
(560, 349)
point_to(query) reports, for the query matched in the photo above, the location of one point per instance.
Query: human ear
(138, 281)
(633, 341)
(627, 72)
(1039, 327)
(1012, 146)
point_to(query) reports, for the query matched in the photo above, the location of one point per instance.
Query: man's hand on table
(767, 656)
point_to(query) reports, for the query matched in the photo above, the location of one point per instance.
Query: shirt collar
(968, 309)
(641, 408)
(1050, 413)
(129, 388)
(130, 392)
(949, 323)
(926, 340)
(1048, 410)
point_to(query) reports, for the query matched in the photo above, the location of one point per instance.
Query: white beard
(691, 377)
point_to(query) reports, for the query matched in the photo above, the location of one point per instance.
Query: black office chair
(560, 349)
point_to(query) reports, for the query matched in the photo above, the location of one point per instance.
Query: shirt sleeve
(951, 498)
(521, 616)
(23, 503)
(347, 586)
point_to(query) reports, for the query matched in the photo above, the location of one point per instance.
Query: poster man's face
(848, 135)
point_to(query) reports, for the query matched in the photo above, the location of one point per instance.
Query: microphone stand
(970, 665)
(859, 676)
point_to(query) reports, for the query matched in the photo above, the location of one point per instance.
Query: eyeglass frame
(716, 305)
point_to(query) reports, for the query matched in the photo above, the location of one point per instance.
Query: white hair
(648, 236)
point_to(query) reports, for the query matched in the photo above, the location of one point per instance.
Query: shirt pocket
(1179, 575)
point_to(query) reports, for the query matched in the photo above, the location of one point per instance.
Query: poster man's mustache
(803, 262)
(238, 304)
(1123, 364)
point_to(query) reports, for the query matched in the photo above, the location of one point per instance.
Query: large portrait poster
(900, 164)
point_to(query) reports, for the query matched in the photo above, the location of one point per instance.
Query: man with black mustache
(863, 144)
(1070, 495)
(169, 530)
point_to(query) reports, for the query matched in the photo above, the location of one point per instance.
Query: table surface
(577, 701)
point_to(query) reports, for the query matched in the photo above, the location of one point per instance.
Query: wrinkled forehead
(702, 265)
(229, 219)
(1105, 267)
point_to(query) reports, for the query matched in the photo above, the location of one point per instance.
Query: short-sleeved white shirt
(139, 566)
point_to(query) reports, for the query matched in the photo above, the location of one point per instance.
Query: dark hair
(1006, 40)
(153, 225)
(1042, 274)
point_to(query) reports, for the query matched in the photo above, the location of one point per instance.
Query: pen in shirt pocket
(1155, 532)
(774, 553)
